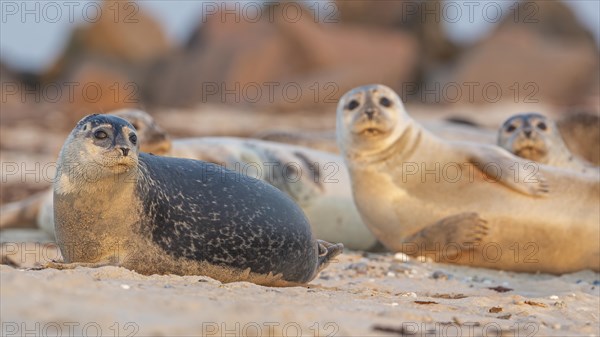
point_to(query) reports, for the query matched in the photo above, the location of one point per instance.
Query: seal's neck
(403, 147)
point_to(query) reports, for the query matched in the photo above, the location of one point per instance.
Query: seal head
(99, 147)
(529, 136)
(369, 119)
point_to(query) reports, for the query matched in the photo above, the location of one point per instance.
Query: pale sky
(31, 38)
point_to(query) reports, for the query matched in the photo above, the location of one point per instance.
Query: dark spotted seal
(115, 205)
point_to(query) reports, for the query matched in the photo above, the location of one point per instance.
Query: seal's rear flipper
(466, 231)
(327, 251)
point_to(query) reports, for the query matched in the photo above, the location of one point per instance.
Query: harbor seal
(315, 180)
(465, 203)
(36, 211)
(157, 215)
(535, 137)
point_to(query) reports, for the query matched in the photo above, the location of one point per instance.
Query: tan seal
(114, 205)
(465, 203)
(535, 137)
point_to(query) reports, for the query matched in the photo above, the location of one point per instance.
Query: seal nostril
(125, 151)
(527, 133)
(370, 112)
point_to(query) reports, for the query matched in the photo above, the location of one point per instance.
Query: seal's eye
(353, 104)
(384, 101)
(542, 126)
(510, 128)
(100, 134)
(133, 139)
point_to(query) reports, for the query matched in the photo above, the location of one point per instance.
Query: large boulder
(281, 62)
(112, 53)
(548, 57)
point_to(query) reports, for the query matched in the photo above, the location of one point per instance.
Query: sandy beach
(360, 294)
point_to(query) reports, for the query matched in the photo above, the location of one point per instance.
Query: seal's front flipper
(501, 166)
(464, 231)
(327, 251)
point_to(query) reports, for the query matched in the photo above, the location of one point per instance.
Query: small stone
(359, 267)
(410, 294)
(125, 286)
(553, 297)
(390, 274)
(401, 257)
(439, 275)
(394, 304)
(494, 310)
(560, 304)
(400, 268)
(556, 326)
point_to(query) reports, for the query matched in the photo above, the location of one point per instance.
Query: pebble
(125, 286)
(553, 297)
(359, 267)
(390, 274)
(410, 294)
(439, 275)
(424, 259)
(401, 257)
(560, 304)
(400, 268)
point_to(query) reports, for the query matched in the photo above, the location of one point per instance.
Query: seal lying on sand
(466, 203)
(114, 205)
(317, 181)
(535, 137)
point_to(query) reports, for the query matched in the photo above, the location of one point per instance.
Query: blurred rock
(111, 53)
(279, 63)
(422, 19)
(543, 55)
